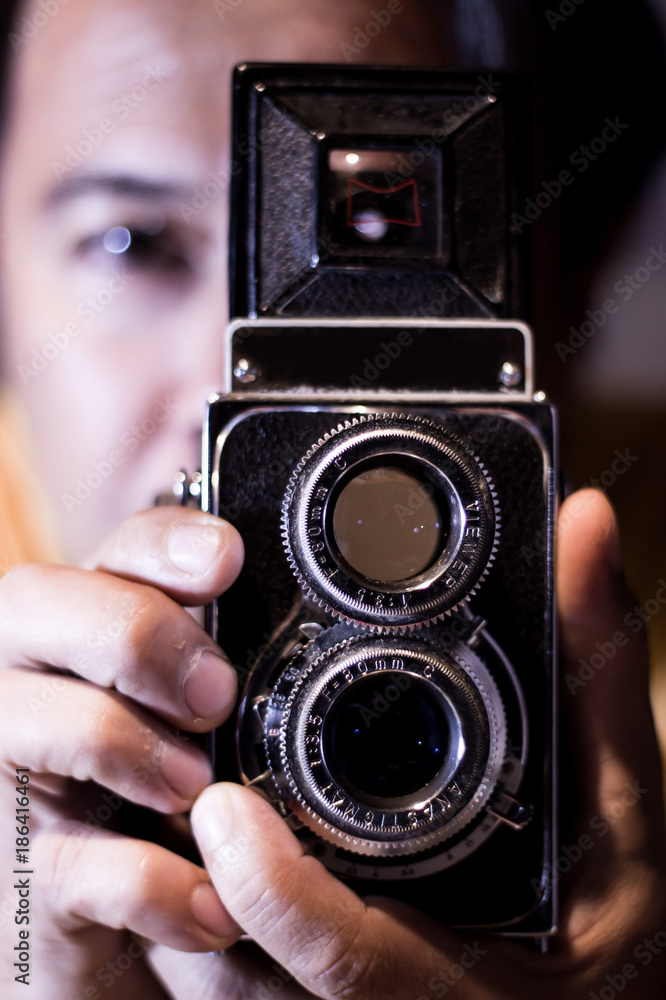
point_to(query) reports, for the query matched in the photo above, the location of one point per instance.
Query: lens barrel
(385, 745)
(389, 521)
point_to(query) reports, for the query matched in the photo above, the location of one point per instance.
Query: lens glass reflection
(386, 736)
(388, 524)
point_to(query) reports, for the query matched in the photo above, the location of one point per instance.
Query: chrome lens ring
(300, 710)
(461, 483)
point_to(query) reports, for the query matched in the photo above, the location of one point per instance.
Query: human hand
(319, 939)
(143, 666)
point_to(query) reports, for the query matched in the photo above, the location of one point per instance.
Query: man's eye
(150, 248)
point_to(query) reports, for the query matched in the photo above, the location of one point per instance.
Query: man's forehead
(84, 55)
(154, 75)
(136, 70)
(87, 50)
(109, 35)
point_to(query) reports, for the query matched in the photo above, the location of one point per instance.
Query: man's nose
(201, 351)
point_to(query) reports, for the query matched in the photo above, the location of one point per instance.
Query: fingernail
(211, 819)
(185, 770)
(209, 912)
(192, 548)
(210, 686)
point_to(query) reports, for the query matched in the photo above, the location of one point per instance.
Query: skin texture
(100, 663)
(74, 79)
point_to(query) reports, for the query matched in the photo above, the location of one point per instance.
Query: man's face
(113, 214)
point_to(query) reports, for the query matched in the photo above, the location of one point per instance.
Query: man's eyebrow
(126, 185)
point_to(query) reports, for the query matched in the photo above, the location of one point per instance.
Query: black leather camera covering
(286, 259)
(495, 885)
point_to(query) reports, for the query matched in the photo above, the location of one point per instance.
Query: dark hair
(8, 17)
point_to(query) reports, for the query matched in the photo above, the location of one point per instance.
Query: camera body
(379, 446)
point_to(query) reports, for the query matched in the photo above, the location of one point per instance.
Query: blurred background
(602, 346)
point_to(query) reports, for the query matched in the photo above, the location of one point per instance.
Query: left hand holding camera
(98, 730)
(316, 931)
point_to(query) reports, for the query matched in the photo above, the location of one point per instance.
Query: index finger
(191, 556)
(117, 634)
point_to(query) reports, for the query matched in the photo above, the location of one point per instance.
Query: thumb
(605, 663)
(332, 942)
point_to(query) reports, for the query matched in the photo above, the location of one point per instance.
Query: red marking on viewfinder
(378, 190)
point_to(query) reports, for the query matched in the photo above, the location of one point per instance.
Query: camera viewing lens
(389, 521)
(388, 524)
(387, 736)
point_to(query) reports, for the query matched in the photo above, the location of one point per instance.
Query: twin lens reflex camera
(379, 445)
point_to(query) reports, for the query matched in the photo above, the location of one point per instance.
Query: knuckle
(113, 741)
(132, 616)
(60, 852)
(149, 868)
(258, 902)
(130, 629)
(343, 968)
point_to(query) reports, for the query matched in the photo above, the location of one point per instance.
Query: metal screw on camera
(185, 491)
(245, 372)
(510, 375)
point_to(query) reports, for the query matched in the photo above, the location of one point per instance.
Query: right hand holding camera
(99, 667)
(321, 940)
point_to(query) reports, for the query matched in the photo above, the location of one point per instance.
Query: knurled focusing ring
(430, 773)
(440, 487)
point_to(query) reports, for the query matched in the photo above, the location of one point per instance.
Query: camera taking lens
(388, 745)
(391, 754)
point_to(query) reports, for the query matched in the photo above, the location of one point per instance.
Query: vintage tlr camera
(379, 445)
